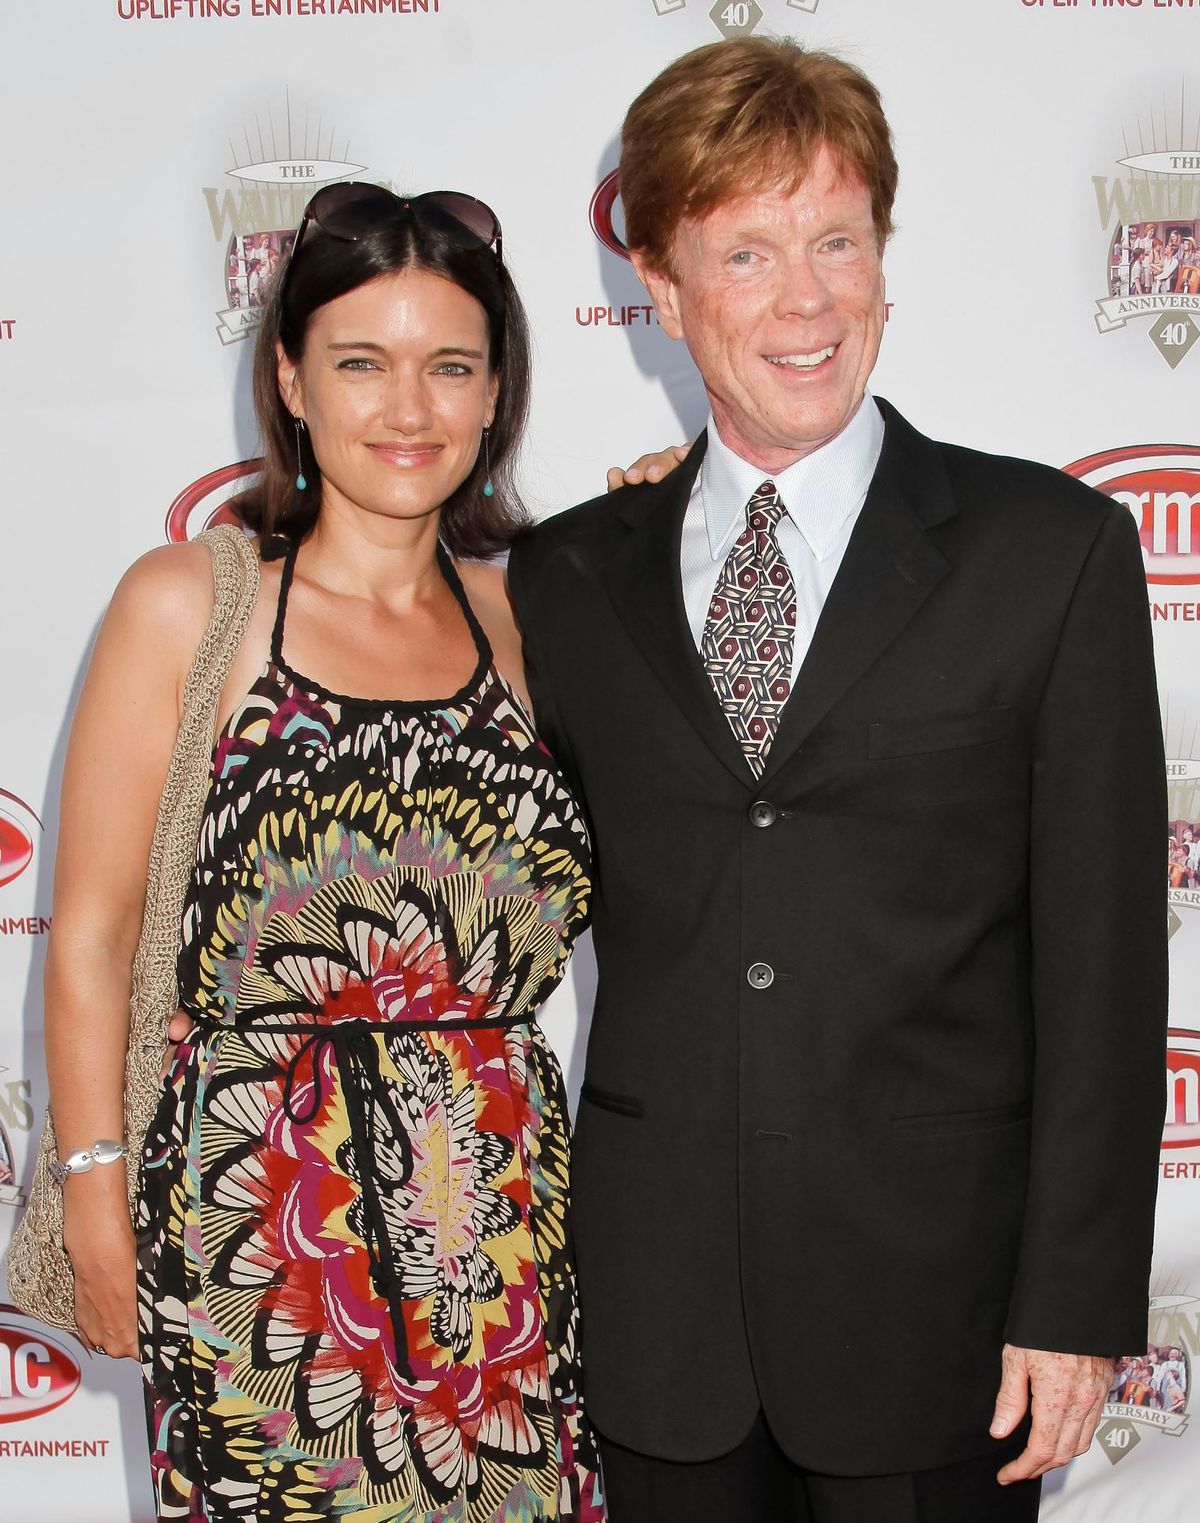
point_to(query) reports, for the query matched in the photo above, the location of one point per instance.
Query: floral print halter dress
(356, 1292)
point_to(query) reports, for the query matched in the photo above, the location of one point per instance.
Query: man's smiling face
(779, 297)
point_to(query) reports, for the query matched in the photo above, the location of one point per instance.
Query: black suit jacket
(937, 1128)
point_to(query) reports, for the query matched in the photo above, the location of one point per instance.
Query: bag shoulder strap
(177, 826)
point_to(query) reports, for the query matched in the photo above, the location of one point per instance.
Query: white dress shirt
(823, 494)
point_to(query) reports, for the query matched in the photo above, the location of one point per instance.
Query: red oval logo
(18, 824)
(603, 212)
(1160, 485)
(1182, 1129)
(37, 1372)
(206, 502)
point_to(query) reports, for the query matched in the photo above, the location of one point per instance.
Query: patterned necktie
(750, 631)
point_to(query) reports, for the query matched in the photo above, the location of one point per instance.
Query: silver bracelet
(103, 1151)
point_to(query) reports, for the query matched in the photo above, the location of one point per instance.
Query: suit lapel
(645, 587)
(889, 569)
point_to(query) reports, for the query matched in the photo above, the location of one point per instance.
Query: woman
(1176, 863)
(355, 1291)
(1188, 280)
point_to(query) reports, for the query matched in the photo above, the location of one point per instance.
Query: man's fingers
(179, 1027)
(1012, 1398)
(1056, 1442)
(1068, 1441)
(616, 477)
(1035, 1459)
(1058, 1435)
(1087, 1429)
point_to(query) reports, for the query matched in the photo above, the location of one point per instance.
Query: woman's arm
(120, 746)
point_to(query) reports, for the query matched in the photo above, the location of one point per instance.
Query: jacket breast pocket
(921, 734)
(958, 1123)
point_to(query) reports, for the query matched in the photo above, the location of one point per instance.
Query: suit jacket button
(761, 975)
(762, 814)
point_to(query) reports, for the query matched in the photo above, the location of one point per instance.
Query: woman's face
(396, 388)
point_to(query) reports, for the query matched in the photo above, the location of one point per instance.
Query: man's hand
(179, 1029)
(1068, 1394)
(648, 467)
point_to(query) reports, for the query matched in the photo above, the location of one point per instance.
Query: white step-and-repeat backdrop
(1045, 301)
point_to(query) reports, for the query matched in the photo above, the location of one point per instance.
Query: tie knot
(765, 508)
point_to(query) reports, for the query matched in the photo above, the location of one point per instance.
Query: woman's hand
(100, 1243)
(648, 467)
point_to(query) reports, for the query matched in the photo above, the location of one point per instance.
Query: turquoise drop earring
(488, 489)
(301, 483)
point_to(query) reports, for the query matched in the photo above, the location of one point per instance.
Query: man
(1170, 1381)
(1192, 844)
(1170, 269)
(835, 1120)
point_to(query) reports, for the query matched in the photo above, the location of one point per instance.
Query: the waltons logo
(277, 162)
(1149, 213)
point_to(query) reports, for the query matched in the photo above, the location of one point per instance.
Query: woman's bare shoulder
(168, 580)
(164, 600)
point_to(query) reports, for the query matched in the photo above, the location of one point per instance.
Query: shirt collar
(820, 491)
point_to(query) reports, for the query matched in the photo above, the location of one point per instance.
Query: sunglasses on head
(352, 209)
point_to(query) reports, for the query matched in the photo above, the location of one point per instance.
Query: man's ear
(664, 293)
(287, 374)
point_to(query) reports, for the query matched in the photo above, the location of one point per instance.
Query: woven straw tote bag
(40, 1279)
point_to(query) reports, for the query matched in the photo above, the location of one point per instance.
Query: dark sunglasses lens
(474, 215)
(351, 209)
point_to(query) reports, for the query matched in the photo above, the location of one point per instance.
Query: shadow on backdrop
(658, 358)
(118, 1379)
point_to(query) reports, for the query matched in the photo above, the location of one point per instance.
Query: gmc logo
(1160, 485)
(37, 1373)
(1182, 1128)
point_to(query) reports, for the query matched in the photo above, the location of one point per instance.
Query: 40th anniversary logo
(1150, 215)
(734, 18)
(1152, 1391)
(278, 163)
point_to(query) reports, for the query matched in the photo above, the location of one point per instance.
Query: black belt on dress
(355, 1054)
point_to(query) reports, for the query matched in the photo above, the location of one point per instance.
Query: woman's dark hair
(472, 525)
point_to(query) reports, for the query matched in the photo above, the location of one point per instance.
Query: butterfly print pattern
(356, 1292)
